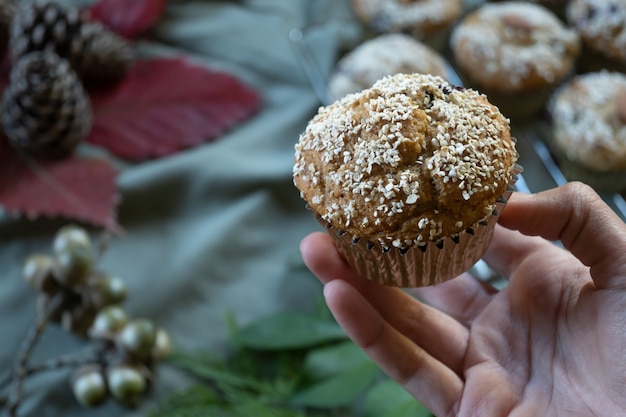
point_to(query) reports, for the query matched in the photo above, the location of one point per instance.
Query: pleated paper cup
(430, 263)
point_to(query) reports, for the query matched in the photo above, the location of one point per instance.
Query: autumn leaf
(164, 105)
(74, 187)
(128, 18)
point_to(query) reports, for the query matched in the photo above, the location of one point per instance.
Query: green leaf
(251, 407)
(332, 360)
(288, 331)
(231, 323)
(196, 400)
(340, 390)
(389, 399)
(201, 401)
(206, 368)
(321, 309)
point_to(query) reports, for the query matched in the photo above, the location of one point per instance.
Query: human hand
(552, 343)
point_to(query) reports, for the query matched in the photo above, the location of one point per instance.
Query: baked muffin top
(514, 46)
(601, 24)
(589, 120)
(409, 160)
(384, 55)
(420, 18)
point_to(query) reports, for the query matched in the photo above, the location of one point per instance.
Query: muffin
(602, 27)
(427, 20)
(408, 177)
(588, 117)
(384, 55)
(516, 53)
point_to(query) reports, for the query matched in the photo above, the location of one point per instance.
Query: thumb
(577, 216)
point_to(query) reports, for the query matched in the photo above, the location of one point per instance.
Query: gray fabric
(210, 230)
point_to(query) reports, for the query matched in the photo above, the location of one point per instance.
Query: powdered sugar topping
(516, 39)
(384, 55)
(398, 15)
(589, 116)
(602, 23)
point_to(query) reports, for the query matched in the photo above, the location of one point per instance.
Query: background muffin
(384, 55)
(516, 53)
(427, 20)
(589, 129)
(602, 27)
(409, 176)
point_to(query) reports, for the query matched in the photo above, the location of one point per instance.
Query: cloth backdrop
(211, 230)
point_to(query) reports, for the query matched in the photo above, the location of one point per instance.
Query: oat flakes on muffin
(408, 176)
(383, 55)
(602, 27)
(516, 53)
(427, 20)
(588, 116)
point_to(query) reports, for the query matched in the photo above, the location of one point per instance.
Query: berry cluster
(85, 301)
(71, 290)
(131, 348)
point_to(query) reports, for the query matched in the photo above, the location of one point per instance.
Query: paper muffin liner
(420, 265)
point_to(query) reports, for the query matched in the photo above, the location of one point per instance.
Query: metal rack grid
(541, 171)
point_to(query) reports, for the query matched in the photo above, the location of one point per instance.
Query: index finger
(577, 216)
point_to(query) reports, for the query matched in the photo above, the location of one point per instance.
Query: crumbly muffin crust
(419, 18)
(410, 160)
(384, 55)
(601, 24)
(514, 46)
(589, 120)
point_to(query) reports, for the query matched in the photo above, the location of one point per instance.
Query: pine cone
(46, 111)
(7, 11)
(93, 51)
(106, 56)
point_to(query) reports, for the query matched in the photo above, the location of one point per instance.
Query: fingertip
(333, 291)
(320, 255)
(313, 247)
(337, 293)
(307, 245)
(354, 313)
(311, 240)
(516, 202)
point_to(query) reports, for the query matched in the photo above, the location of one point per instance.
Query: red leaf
(78, 188)
(165, 105)
(128, 18)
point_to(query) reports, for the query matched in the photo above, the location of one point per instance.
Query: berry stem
(29, 343)
(48, 365)
(103, 244)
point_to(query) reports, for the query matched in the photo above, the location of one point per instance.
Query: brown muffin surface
(420, 18)
(601, 24)
(514, 46)
(589, 121)
(383, 55)
(410, 160)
